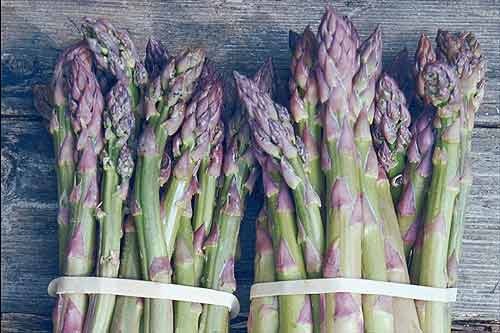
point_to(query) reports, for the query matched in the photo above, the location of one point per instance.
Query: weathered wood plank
(29, 231)
(237, 34)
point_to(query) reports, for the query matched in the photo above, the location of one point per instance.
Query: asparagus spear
(128, 310)
(463, 53)
(239, 179)
(186, 313)
(295, 310)
(416, 179)
(337, 64)
(273, 133)
(118, 166)
(64, 139)
(440, 88)
(115, 53)
(205, 201)
(304, 104)
(156, 59)
(164, 108)
(263, 314)
(377, 310)
(86, 106)
(391, 132)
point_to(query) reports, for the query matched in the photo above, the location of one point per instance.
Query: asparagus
(391, 132)
(263, 314)
(377, 309)
(424, 55)
(295, 310)
(85, 105)
(337, 64)
(64, 139)
(118, 166)
(156, 59)
(239, 178)
(440, 88)
(186, 313)
(304, 104)
(128, 310)
(205, 201)
(273, 133)
(164, 108)
(416, 179)
(116, 54)
(400, 70)
(463, 53)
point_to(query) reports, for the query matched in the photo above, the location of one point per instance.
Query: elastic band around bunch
(143, 289)
(355, 286)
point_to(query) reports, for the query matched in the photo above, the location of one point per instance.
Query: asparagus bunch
(263, 314)
(118, 165)
(85, 104)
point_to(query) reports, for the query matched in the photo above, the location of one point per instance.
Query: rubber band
(143, 289)
(355, 286)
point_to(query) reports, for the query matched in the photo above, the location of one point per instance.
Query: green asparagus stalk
(295, 313)
(274, 134)
(186, 314)
(391, 132)
(64, 141)
(85, 103)
(164, 108)
(404, 310)
(463, 53)
(128, 310)
(239, 178)
(416, 179)
(263, 314)
(440, 88)
(118, 167)
(377, 310)
(304, 104)
(337, 64)
(205, 201)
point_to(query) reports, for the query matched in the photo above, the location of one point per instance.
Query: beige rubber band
(143, 289)
(356, 286)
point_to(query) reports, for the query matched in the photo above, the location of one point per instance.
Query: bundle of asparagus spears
(151, 184)
(356, 185)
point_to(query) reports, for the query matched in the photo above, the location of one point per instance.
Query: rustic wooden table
(238, 35)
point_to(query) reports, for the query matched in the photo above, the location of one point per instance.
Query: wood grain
(237, 35)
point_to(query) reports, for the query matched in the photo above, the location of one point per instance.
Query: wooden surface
(238, 35)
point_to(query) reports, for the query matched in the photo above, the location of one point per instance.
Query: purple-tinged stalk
(463, 53)
(440, 84)
(186, 314)
(377, 310)
(416, 179)
(295, 312)
(205, 200)
(164, 107)
(85, 104)
(118, 165)
(273, 133)
(127, 314)
(304, 104)
(391, 134)
(239, 176)
(338, 62)
(263, 313)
